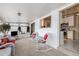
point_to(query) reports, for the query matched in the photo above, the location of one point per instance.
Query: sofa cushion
(4, 40)
(5, 52)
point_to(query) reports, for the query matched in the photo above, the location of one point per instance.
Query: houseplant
(4, 28)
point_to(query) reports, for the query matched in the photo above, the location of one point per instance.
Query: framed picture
(45, 22)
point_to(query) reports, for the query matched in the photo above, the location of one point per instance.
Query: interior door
(32, 28)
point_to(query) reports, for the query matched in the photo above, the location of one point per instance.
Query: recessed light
(77, 14)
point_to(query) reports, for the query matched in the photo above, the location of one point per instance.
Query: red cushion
(45, 36)
(5, 40)
(13, 41)
(33, 35)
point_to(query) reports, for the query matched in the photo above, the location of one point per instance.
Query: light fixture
(19, 13)
(77, 14)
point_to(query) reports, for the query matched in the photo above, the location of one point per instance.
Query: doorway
(69, 31)
(32, 28)
(69, 28)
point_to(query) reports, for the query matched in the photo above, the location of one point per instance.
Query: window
(45, 22)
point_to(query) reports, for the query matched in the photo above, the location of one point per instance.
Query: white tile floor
(72, 44)
(26, 47)
(71, 47)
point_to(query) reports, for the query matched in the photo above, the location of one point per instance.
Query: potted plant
(4, 28)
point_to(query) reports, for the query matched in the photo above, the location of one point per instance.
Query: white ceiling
(30, 11)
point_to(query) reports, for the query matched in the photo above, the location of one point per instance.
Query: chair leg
(45, 46)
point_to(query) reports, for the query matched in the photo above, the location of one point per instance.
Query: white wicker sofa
(9, 48)
(5, 52)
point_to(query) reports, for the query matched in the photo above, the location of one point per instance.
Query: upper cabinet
(77, 8)
(70, 11)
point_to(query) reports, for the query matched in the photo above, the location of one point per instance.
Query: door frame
(32, 27)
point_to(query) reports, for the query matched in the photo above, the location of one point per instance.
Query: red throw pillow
(13, 41)
(45, 36)
(5, 40)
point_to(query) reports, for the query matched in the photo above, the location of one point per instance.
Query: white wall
(53, 30)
